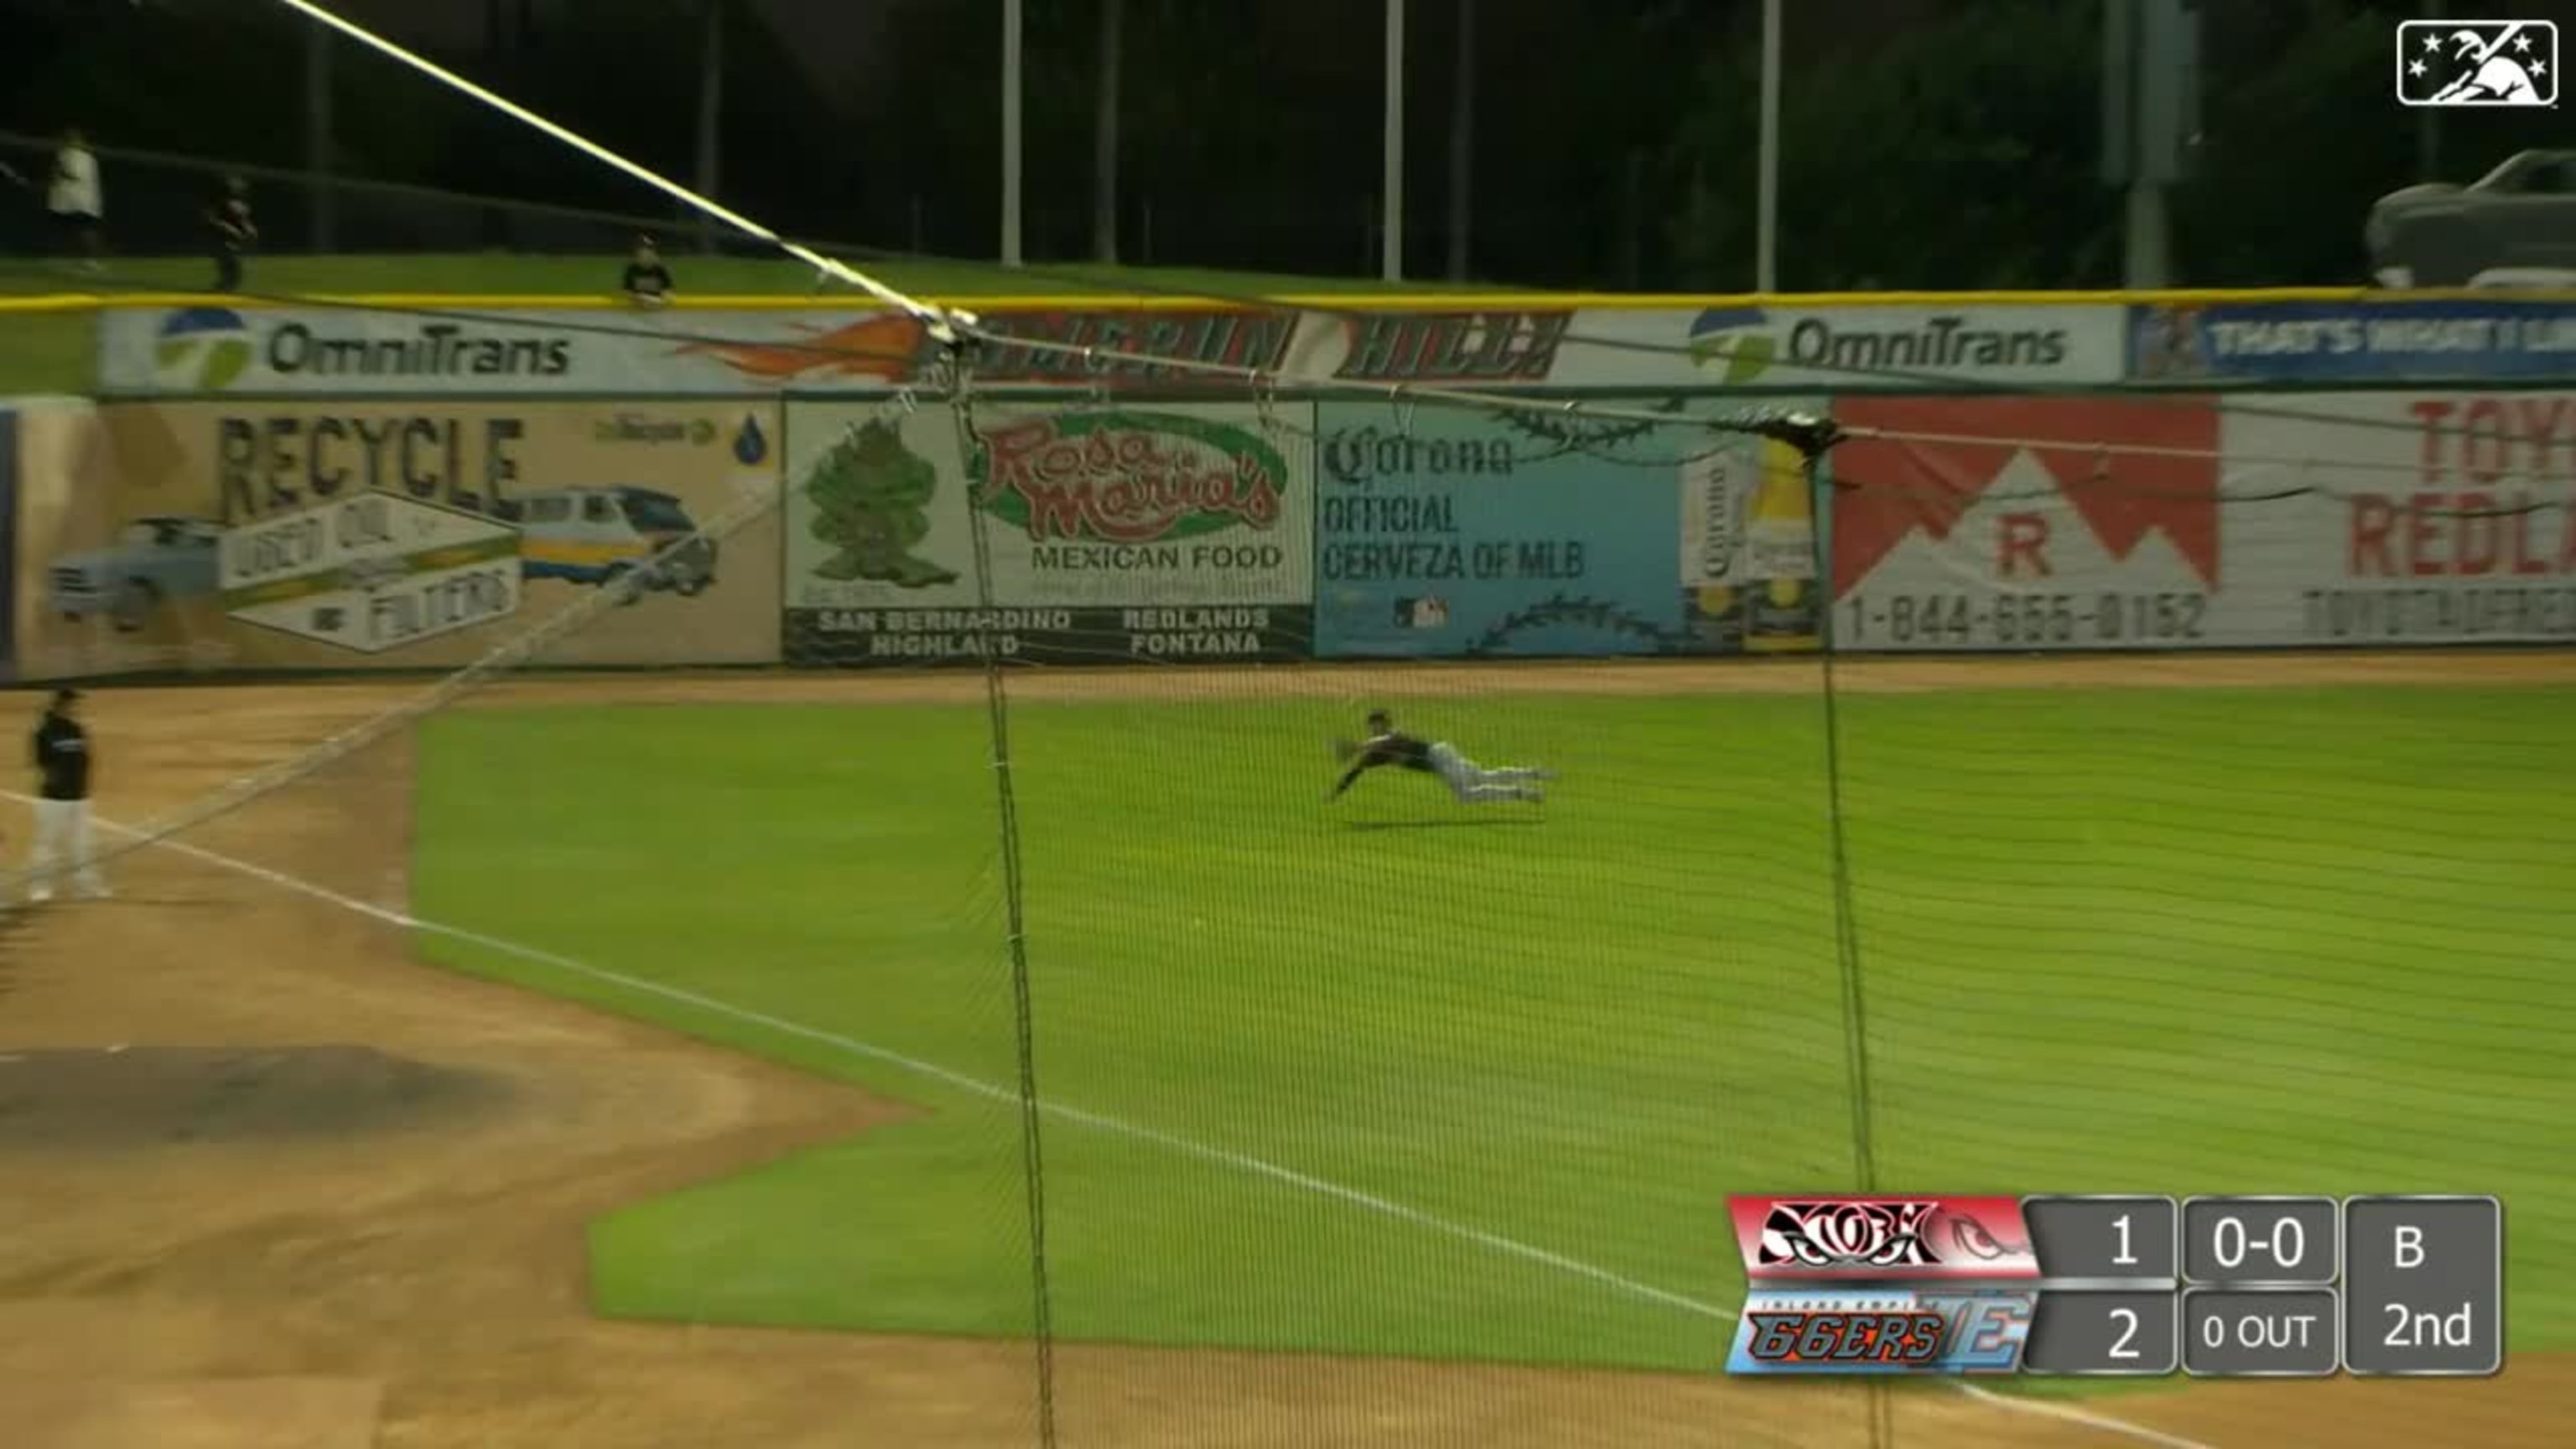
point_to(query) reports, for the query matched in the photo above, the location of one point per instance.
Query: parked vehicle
(2513, 227)
(600, 535)
(153, 561)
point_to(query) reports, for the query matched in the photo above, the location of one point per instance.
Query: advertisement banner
(2378, 519)
(2403, 519)
(9, 545)
(352, 535)
(1172, 533)
(1471, 533)
(2476, 340)
(365, 352)
(1891, 348)
(2048, 536)
(353, 351)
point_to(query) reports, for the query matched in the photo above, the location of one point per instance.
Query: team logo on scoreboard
(1882, 1238)
(1905, 1285)
(1866, 1331)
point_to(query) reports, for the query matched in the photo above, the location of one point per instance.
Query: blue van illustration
(600, 535)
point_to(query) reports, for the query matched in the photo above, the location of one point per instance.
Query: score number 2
(2127, 1317)
(2128, 1320)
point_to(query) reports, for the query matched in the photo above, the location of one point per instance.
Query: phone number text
(2020, 621)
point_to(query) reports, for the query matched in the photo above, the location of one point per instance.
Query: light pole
(710, 114)
(319, 145)
(1391, 223)
(1013, 36)
(1462, 142)
(1766, 210)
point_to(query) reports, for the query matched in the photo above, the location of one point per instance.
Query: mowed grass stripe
(1579, 1034)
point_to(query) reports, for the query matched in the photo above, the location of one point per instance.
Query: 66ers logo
(1863, 1237)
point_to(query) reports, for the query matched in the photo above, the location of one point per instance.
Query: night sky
(831, 36)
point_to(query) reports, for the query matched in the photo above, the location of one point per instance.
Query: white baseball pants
(1475, 784)
(62, 843)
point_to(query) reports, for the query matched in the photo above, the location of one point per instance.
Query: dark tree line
(1926, 144)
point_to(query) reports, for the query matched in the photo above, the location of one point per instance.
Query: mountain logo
(2126, 469)
(203, 348)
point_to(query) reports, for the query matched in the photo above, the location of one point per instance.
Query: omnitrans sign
(1906, 348)
(429, 349)
(357, 351)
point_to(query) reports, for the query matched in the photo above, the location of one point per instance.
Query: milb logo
(1860, 1331)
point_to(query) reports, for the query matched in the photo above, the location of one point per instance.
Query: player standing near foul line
(1472, 783)
(63, 762)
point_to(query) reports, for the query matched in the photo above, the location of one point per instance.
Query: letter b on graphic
(2410, 1247)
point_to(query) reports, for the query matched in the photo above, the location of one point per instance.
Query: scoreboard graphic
(2120, 1285)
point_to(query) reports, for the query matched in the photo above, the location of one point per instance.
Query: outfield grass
(2278, 942)
(51, 351)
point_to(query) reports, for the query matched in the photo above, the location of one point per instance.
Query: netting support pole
(1813, 437)
(958, 358)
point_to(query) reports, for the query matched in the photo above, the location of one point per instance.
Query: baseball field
(558, 1072)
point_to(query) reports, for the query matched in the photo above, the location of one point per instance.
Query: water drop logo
(1734, 340)
(203, 348)
(750, 444)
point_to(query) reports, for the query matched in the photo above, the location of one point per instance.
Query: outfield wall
(222, 506)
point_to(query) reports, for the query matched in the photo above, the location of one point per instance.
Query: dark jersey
(647, 279)
(62, 757)
(229, 215)
(1402, 751)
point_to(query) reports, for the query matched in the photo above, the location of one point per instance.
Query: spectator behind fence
(74, 201)
(232, 231)
(648, 282)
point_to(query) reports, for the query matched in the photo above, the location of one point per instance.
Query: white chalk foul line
(1251, 1166)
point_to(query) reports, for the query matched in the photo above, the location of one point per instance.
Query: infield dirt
(271, 1182)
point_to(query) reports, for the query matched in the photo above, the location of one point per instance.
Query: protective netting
(1203, 1060)
(1194, 1098)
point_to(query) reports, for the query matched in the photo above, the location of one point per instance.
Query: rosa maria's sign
(1128, 479)
(1111, 536)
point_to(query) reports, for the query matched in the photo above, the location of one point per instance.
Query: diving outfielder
(1472, 783)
